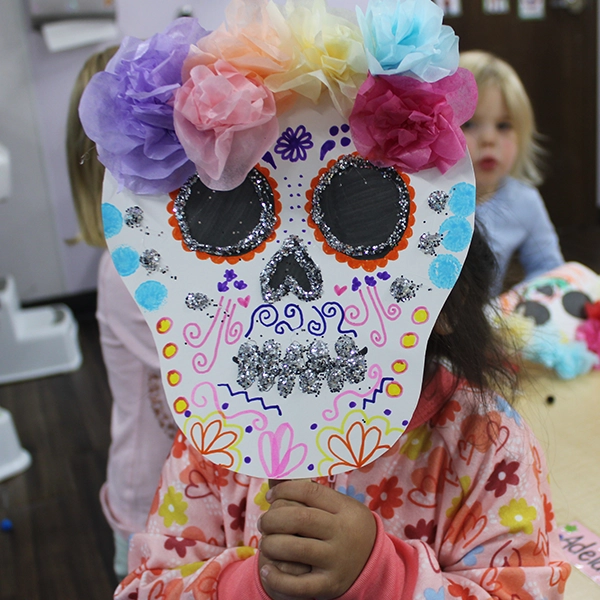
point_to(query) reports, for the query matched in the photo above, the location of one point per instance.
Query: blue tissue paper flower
(407, 37)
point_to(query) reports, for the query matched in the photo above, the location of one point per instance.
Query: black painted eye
(362, 210)
(547, 290)
(538, 312)
(574, 303)
(229, 223)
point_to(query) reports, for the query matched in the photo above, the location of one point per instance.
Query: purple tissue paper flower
(127, 110)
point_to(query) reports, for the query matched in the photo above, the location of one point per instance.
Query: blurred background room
(54, 540)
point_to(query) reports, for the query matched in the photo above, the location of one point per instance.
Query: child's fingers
(293, 549)
(292, 568)
(308, 585)
(306, 492)
(296, 520)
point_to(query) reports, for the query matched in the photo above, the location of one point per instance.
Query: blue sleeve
(540, 251)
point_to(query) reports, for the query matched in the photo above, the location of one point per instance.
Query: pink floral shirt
(462, 506)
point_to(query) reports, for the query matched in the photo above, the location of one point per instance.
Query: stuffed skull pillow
(290, 230)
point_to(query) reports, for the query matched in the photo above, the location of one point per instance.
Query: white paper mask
(292, 313)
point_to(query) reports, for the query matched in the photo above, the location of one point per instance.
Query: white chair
(13, 458)
(37, 341)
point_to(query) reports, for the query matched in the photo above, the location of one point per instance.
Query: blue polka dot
(457, 233)
(444, 271)
(126, 260)
(462, 199)
(112, 220)
(151, 295)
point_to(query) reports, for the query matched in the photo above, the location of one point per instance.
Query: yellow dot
(164, 325)
(410, 340)
(170, 350)
(393, 389)
(174, 378)
(421, 315)
(399, 366)
(180, 405)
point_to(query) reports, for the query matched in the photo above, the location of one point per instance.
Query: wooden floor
(61, 547)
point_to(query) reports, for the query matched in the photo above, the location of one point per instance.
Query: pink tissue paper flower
(589, 332)
(225, 123)
(413, 125)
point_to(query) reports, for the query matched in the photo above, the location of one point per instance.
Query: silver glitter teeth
(310, 366)
(403, 289)
(292, 248)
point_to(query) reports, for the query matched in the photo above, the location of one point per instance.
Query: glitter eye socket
(362, 210)
(228, 223)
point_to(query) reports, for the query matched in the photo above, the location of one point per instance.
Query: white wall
(29, 247)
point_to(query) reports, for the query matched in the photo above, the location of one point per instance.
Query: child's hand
(310, 526)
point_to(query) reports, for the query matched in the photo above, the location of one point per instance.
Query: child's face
(492, 141)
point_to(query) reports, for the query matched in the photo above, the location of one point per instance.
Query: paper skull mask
(292, 279)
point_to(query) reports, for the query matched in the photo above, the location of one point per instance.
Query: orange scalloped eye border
(232, 260)
(355, 263)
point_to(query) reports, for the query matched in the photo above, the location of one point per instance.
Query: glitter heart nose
(291, 270)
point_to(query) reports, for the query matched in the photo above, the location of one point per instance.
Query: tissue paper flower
(413, 125)
(256, 40)
(225, 122)
(592, 310)
(127, 110)
(329, 55)
(589, 332)
(403, 36)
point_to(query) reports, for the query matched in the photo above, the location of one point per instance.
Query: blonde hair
(85, 170)
(491, 70)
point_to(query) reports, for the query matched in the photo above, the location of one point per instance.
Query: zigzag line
(248, 399)
(377, 391)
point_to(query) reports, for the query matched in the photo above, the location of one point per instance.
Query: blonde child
(502, 140)
(142, 428)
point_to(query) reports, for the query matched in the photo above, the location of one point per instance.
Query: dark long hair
(464, 335)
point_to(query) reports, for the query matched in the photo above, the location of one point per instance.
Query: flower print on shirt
(179, 444)
(548, 513)
(458, 591)
(517, 516)
(386, 497)
(448, 413)
(417, 441)
(423, 530)
(430, 481)
(352, 492)
(238, 512)
(205, 586)
(504, 474)
(179, 544)
(468, 524)
(261, 498)
(173, 508)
